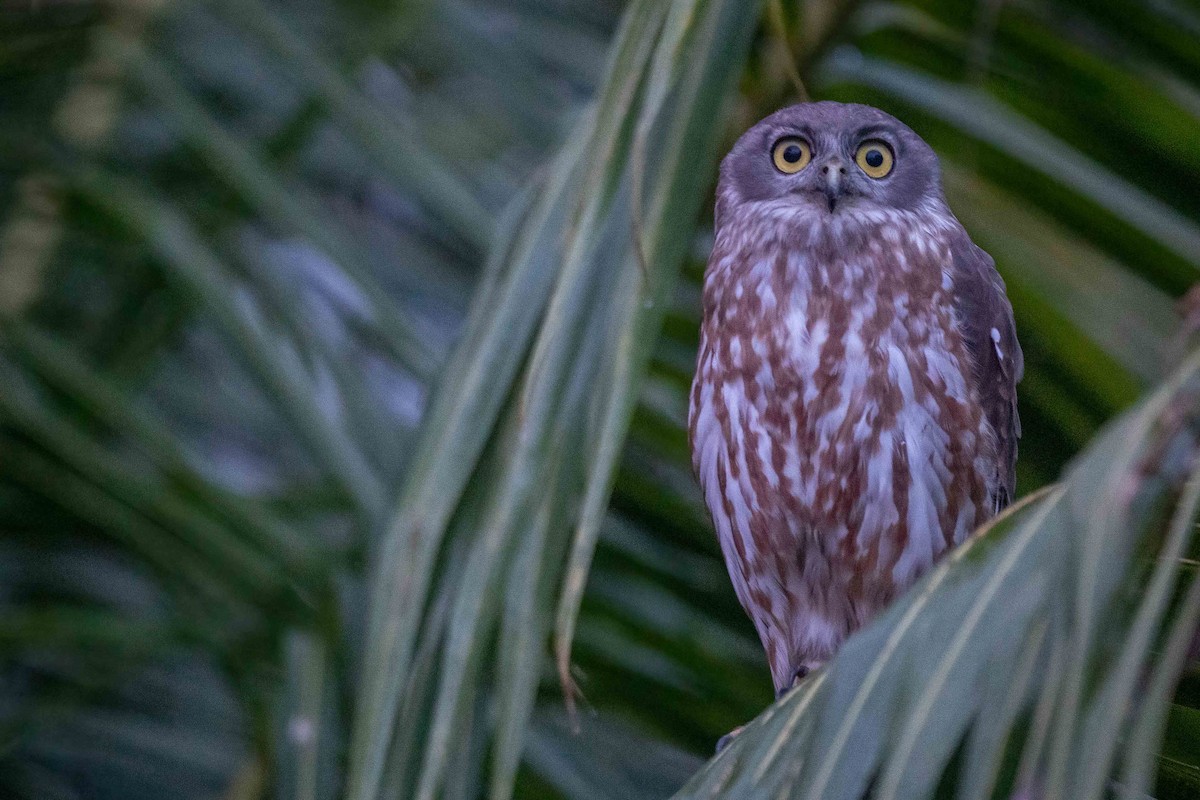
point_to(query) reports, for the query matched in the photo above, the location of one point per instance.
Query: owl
(854, 412)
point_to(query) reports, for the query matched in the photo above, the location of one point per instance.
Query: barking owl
(854, 411)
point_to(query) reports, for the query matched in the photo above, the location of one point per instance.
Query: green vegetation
(344, 350)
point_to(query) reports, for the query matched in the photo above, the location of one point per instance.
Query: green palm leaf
(572, 255)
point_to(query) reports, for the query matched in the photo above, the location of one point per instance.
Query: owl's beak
(831, 174)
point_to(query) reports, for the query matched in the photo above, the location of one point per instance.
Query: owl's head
(830, 158)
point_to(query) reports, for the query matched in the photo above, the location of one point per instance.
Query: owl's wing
(985, 317)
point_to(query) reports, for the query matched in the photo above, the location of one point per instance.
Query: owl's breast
(844, 386)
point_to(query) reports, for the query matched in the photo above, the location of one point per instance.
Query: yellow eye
(791, 154)
(875, 158)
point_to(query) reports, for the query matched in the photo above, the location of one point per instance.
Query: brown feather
(997, 361)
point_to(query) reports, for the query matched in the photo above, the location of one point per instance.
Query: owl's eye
(875, 158)
(791, 154)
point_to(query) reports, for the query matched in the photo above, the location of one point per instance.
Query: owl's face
(830, 158)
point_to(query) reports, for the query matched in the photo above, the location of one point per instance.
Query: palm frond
(559, 339)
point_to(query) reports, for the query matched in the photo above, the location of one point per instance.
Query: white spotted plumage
(725, 475)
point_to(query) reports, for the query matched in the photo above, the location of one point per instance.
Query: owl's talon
(798, 678)
(724, 741)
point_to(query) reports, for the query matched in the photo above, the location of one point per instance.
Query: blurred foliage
(345, 349)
